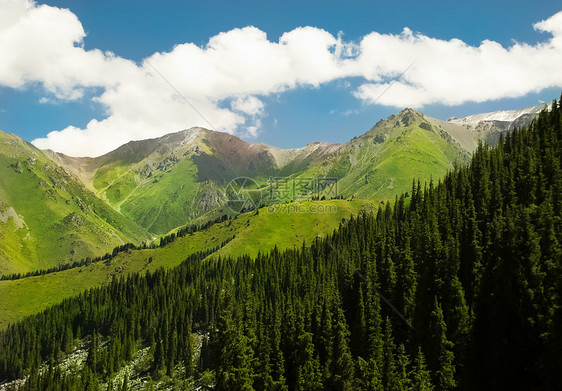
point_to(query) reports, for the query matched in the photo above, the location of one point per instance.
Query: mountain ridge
(155, 185)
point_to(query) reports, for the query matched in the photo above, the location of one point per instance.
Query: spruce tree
(442, 356)
(403, 382)
(235, 360)
(420, 375)
(309, 374)
(390, 379)
(342, 363)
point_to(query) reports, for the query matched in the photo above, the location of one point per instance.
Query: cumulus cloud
(227, 79)
(44, 44)
(452, 72)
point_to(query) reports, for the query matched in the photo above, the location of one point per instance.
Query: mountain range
(453, 285)
(58, 209)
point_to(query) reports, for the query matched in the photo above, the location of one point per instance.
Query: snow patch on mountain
(503, 116)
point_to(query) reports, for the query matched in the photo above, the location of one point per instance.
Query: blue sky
(301, 105)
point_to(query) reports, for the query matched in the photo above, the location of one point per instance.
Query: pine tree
(359, 327)
(309, 375)
(188, 356)
(159, 356)
(373, 376)
(389, 372)
(171, 356)
(342, 364)
(442, 356)
(420, 375)
(92, 359)
(235, 361)
(403, 382)
(374, 323)
(125, 385)
(325, 346)
(278, 361)
(68, 339)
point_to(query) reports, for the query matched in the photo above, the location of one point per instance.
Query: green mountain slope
(383, 161)
(47, 216)
(151, 187)
(165, 182)
(248, 233)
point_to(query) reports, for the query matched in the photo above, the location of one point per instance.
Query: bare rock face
(407, 117)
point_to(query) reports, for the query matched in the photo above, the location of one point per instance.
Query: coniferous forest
(456, 287)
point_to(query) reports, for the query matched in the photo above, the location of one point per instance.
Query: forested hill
(458, 286)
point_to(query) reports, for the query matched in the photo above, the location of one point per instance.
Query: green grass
(167, 198)
(254, 232)
(118, 192)
(384, 170)
(55, 219)
(282, 226)
(168, 203)
(109, 174)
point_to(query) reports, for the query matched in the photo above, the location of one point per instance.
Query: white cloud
(551, 25)
(235, 65)
(227, 78)
(253, 130)
(452, 72)
(249, 105)
(43, 44)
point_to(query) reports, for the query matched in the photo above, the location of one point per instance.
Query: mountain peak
(409, 110)
(406, 117)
